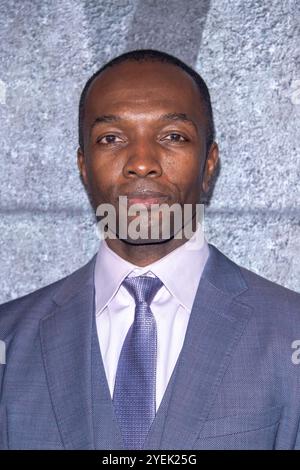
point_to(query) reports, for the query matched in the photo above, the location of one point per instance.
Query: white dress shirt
(180, 271)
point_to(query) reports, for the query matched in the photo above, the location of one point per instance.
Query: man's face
(144, 132)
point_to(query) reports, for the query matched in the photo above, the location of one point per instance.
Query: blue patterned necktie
(135, 385)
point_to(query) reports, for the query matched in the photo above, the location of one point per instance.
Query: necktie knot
(142, 288)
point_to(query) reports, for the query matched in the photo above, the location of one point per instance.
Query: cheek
(101, 179)
(103, 169)
(184, 171)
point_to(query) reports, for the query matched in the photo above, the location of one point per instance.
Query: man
(156, 343)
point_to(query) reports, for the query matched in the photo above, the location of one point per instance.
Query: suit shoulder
(31, 298)
(269, 300)
(262, 287)
(35, 305)
(234, 278)
(275, 308)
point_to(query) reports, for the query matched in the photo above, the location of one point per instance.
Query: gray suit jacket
(235, 384)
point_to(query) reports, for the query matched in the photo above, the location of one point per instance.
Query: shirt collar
(180, 271)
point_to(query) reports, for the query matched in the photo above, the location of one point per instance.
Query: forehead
(143, 86)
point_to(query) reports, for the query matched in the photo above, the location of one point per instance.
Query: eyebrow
(105, 118)
(178, 117)
(108, 118)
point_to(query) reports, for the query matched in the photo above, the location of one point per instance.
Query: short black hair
(152, 55)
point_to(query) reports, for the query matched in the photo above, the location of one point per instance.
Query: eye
(175, 137)
(109, 139)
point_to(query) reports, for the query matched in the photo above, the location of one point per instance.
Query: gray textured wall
(247, 50)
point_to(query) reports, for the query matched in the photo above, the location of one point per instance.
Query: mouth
(146, 198)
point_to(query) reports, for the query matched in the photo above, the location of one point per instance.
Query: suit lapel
(66, 347)
(216, 324)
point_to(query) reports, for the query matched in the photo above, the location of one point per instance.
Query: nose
(143, 160)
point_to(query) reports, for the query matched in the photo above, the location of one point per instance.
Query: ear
(81, 166)
(210, 166)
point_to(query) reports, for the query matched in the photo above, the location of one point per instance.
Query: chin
(147, 241)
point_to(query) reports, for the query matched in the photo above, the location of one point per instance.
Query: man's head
(150, 55)
(146, 125)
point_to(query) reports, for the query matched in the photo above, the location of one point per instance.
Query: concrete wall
(247, 51)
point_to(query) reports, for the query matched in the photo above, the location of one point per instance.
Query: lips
(146, 197)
